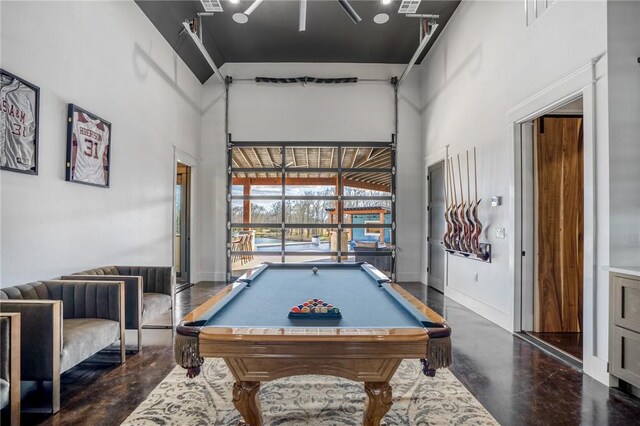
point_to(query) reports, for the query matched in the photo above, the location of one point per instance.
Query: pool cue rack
(483, 256)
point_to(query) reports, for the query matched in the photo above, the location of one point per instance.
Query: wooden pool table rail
(314, 333)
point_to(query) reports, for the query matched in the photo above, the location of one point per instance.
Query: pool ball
(315, 270)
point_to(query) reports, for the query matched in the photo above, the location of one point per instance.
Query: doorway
(555, 157)
(183, 224)
(435, 212)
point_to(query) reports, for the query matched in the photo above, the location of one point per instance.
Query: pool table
(247, 325)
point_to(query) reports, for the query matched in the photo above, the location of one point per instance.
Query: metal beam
(204, 53)
(349, 11)
(417, 54)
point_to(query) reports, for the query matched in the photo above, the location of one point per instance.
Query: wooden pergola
(297, 159)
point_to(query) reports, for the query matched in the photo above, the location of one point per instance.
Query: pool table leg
(245, 399)
(378, 402)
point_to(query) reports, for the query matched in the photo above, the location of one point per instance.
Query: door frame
(429, 161)
(180, 156)
(581, 83)
(530, 287)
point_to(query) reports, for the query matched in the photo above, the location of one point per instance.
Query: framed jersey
(88, 148)
(19, 108)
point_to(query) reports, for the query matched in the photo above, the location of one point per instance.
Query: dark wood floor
(518, 383)
(570, 343)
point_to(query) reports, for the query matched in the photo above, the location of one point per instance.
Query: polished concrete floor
(570, 343)
(518, 383)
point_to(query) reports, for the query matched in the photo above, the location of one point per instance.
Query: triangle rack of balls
(315, 309)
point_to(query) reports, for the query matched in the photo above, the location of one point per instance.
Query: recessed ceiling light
(240, 18)
(383, 1)
(234, 1)
(381, 18)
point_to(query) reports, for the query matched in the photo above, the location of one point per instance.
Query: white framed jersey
(18, 124)
(88, 148)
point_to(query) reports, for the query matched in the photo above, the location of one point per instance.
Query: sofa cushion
(154, 305)
(83, 337)
(4, 393)
(32, 291)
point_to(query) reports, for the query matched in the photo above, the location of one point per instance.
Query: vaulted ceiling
(271, 33)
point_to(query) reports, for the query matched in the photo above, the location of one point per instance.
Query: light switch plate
(500, 233)
(496, 201)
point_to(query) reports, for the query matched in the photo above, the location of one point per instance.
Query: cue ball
(315, 270)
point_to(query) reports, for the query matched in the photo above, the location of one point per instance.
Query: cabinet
(624, 332)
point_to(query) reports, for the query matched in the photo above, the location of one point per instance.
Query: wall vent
(211, 5)
(409, 6)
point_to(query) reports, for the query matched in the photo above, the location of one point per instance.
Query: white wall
(485, 63)
(359, 112)
(108, 58)
(624, 130)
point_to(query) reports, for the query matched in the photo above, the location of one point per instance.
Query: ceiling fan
(291, 164)
(241, 18)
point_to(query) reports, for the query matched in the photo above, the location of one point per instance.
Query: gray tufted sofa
(10, 366)
(64, 323)
(149, 291)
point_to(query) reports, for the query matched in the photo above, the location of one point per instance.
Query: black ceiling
(272, 35)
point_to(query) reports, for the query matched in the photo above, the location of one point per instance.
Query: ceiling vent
(213, 5)
(409, 6)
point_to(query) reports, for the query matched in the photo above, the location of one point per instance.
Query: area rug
(309, 400)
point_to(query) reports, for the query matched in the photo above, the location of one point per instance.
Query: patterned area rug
(309, 400)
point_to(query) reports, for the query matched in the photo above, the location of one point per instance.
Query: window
(310, 202)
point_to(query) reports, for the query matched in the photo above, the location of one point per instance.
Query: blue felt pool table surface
(264, 298)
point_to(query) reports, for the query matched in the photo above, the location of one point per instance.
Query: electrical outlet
(500, 233)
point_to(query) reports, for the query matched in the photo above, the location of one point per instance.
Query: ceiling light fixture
(234, 1)
(385, 2)
(349, 11)
(381, 18)
(240, 18)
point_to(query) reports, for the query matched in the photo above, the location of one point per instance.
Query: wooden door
(559, 224)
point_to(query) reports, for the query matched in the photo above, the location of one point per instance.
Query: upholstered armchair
(10, 366)
(64, 323)
(149, 291)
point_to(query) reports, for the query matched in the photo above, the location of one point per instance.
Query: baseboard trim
(488, 312)
(596, 368)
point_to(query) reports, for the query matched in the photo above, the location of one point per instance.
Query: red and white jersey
(92, 140)
(18, 124)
